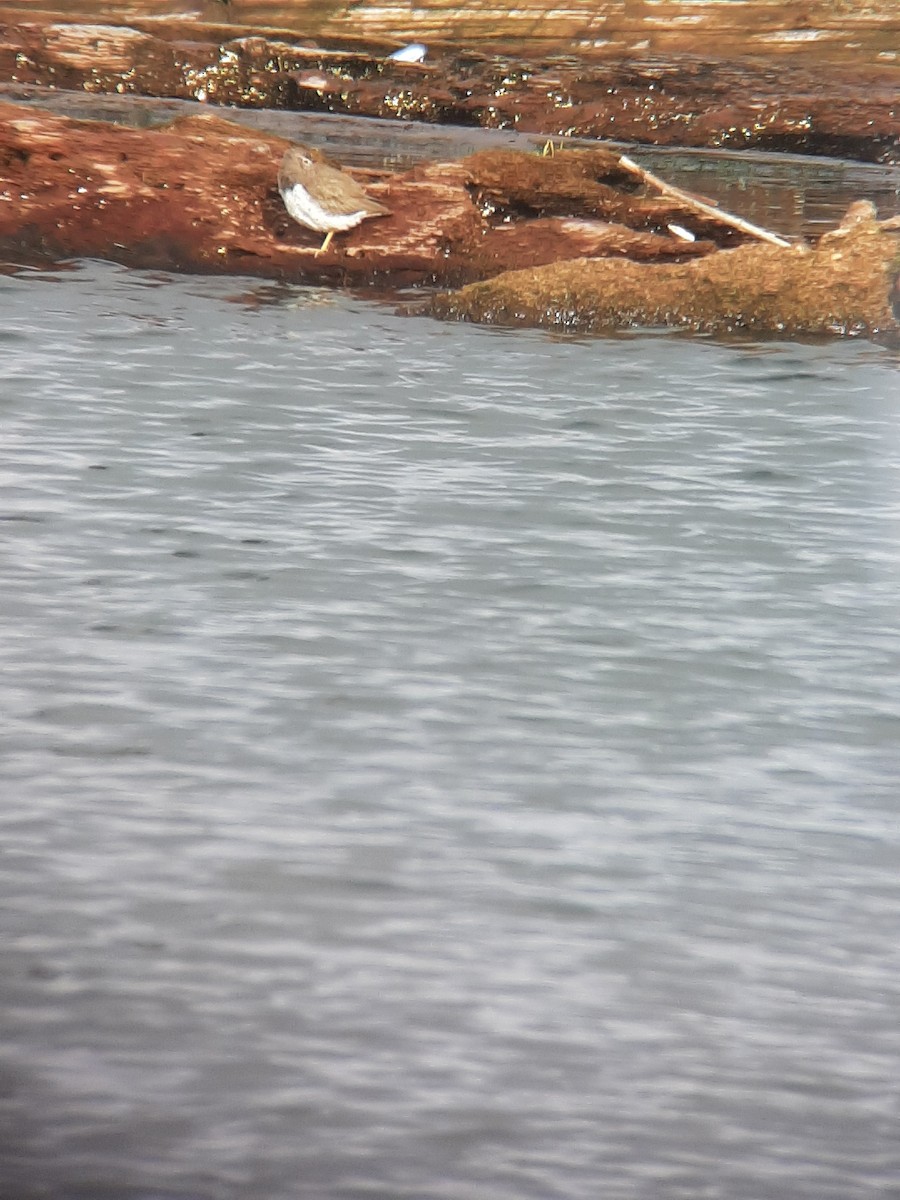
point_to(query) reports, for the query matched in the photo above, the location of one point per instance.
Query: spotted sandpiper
(321, 196)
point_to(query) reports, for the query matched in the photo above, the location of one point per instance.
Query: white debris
(415, 52)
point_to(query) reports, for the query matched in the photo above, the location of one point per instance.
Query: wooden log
(846, 31)
(200, 195)
(843, 112)
(846, 284)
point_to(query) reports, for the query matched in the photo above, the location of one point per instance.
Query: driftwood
(845, 110)
(839, 30)
(200, 195)
(843, 285)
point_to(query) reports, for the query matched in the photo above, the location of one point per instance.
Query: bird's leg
(328, 236)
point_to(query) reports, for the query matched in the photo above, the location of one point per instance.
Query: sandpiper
(321, 196)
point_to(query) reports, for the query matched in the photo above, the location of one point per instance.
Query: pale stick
(699, 206)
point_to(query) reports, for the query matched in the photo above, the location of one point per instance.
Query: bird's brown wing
(337, 191)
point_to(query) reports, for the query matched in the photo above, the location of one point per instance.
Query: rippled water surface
(441, 763)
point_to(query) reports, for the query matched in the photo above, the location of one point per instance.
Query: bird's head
(299, 159)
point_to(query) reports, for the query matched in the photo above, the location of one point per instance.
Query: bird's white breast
(306, 209)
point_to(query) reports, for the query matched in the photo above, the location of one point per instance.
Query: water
(442, 763)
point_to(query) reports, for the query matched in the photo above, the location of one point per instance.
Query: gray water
(442, 763)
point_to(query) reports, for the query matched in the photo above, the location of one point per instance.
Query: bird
(321, 196)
